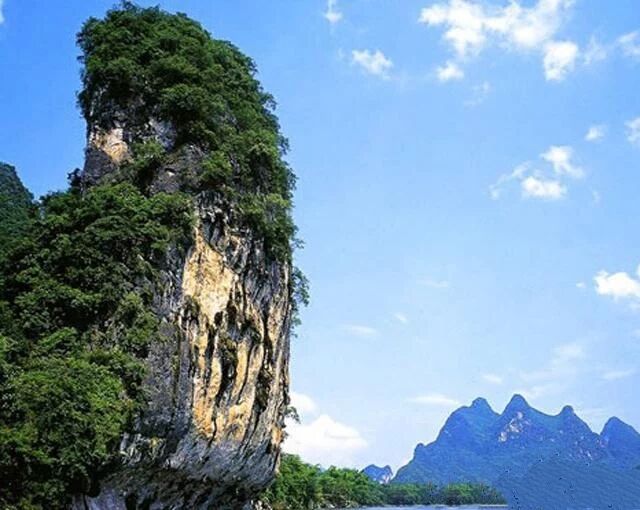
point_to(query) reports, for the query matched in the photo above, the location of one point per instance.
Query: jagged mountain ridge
(478, 444)
(537, 461)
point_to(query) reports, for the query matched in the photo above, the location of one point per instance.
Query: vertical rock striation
(217, 379)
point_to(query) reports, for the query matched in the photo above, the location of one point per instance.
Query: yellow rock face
(111, 143)
(225, 351)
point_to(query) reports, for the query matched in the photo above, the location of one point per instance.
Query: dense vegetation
(16, 205)
(75, 322)
(300, 486)
(148, 64)
(80, 268)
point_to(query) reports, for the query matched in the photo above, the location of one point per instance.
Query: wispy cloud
(479, 94)
(540, 184)
(374, 63)
(469, 27)
(559, 372)
(360, 330)
(304, 404)
(1, 12)
(595, 52)
(616, 375)
(595, 133)
(633, 131)
(435, 399)
(400, 317)
(435, 284)
(531, 186)
(493, 379)
(630, 44)
(333, 14)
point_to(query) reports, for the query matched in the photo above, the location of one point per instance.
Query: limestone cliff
(217, 379)
(175, 111)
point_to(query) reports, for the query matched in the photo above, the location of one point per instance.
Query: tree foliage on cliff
(301, 486)
(148, 64)
(75, 321)
(16, 205)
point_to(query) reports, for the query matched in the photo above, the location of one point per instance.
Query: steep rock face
(217, 379)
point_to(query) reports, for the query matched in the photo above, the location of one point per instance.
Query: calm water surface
(438, 507)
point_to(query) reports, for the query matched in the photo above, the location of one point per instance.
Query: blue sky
(469, 175)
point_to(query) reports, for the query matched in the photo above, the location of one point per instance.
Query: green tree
(148, 64)
(59, 430)
(16, 208)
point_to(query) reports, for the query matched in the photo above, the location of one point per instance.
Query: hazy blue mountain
(525, 448)
(478, 444)
(622, 442)
(379, 474)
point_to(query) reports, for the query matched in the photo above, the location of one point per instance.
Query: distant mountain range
(538, 461)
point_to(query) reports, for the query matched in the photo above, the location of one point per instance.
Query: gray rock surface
(218, 375)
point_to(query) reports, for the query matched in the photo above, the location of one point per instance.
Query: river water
(439, 507)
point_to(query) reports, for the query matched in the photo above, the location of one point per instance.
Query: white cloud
(568, 352)
(633, 131)
(450, 71)
(360, 330)
(581, 285)
(324, 441)
(630, 44)
(595, 133)
(400, 317)
(559, 59)
(493, 379)
(435, 399)
(619, 285)
(616, 375)
(532, 187)
(1, 15)
(435, 284)
(519, 172)
(333, 15)
(535, 183)
(560, 158)
(304, 404)
(561, 364)
(470, 26)
(375, 63)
